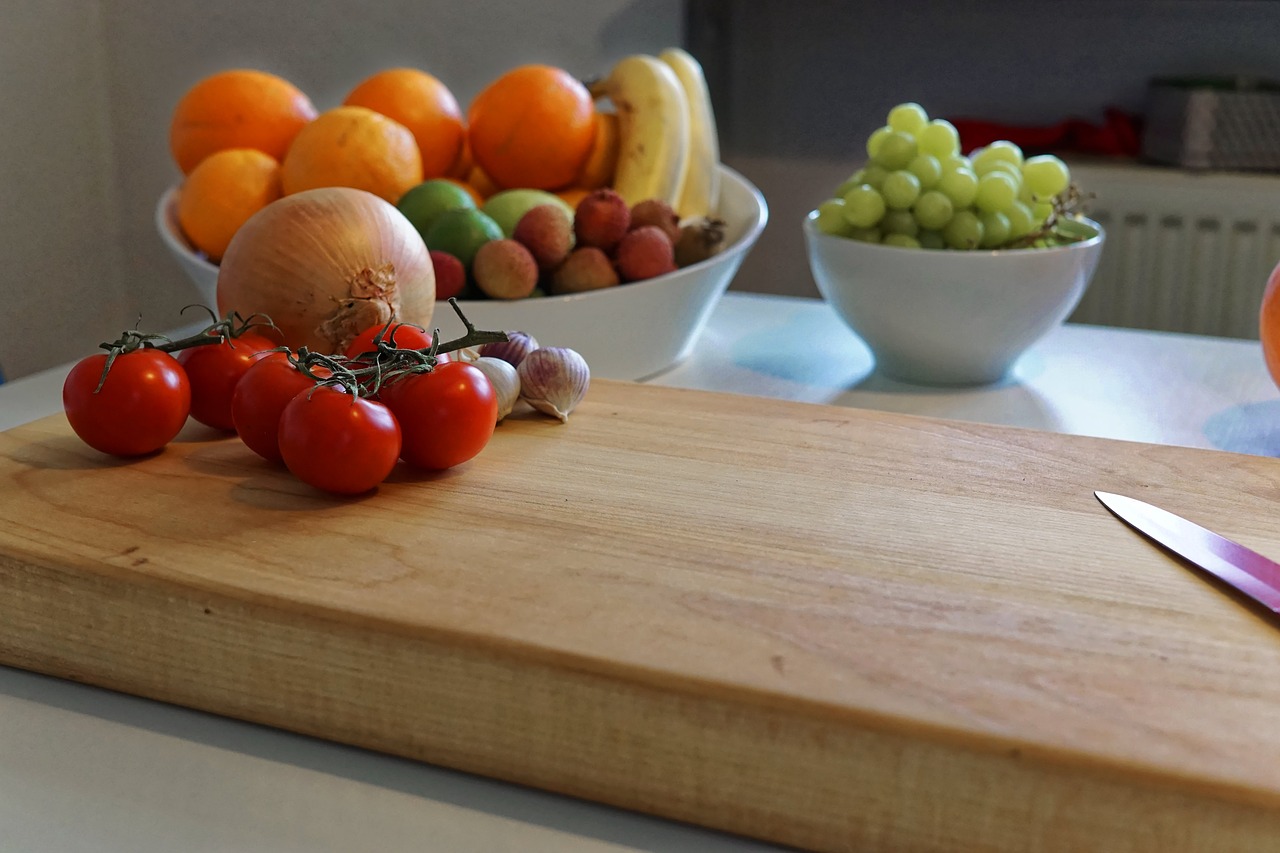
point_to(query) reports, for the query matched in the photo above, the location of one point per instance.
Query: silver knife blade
(1242, 568)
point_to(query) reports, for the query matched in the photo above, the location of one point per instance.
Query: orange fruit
(480, 182)
(222, 192)
(353, 147)
(533, 127)
(464, 164)
(1269, 324)
(602, 162)
(421, 103)
(238, 108)
(573, 195)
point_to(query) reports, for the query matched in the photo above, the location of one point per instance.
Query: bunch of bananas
(669, 148)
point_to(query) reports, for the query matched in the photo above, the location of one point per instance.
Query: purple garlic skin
(513, 350)
(554, 380)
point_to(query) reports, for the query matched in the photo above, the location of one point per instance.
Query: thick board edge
(758, 771)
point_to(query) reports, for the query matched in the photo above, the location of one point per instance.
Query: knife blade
(1232, 563)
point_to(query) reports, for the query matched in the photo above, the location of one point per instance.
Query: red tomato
(446, 416)
(259, 399)
(336, 442)
(403, 336)
(139, 409)
(214, 370)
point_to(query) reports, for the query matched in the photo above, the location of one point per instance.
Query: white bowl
(941, 317)
(632, 331)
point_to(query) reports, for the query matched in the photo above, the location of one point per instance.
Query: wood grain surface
(830, 628)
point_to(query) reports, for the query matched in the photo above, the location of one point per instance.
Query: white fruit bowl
(632, 331)
(939, 317)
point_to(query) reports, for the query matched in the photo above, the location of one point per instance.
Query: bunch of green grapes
(917, 190)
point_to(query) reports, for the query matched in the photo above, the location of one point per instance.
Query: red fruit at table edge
(213, 371)
(259, 399)
(337, 442)
(140, 408)
(446, 416)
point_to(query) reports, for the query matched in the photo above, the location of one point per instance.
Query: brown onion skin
(325, 264)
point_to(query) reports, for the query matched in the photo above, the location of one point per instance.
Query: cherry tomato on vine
(141, 406)
(403, 336)
(259, 399)
(446, 416)
(214, 370)
(338, 442)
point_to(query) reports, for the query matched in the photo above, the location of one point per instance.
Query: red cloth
(1119, 135)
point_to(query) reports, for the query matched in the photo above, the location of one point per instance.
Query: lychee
(655, 211)
(451, 275)
(699, 241)
(505, 269)
(601, 219)
(645, 252)
(586, 268)
(547, 232)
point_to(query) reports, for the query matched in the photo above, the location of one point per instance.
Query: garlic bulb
(504, 379)
(554, 380)
(513, 349)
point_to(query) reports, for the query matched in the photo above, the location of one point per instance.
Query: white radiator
(1185, 252)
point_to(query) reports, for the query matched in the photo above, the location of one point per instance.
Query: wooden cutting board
(831, 628)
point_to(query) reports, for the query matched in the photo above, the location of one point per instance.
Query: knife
(1242, 568)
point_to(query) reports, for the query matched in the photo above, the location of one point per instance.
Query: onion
(325, 265)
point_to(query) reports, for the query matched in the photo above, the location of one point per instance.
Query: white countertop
(84, 769)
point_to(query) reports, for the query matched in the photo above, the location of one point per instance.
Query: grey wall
(86, 90)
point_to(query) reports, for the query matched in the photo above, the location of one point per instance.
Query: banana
(653, 128)
(700, 192)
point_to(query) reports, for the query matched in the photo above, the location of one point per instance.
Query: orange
(464, 164)
(573, 195)
(353, 147)
(602, 162)
(533, 128)
(421, 103)
(222, 192)
(480, 182)
(1269, 324)
(238, 108)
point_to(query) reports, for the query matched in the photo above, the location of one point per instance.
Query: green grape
(995, 229)
(873, 141)
(865, 235)
(830, 218)
(1001, 150)
(939, 138)
(904, 241)
(964, 231)
(899, 222)
(874, 175)
(908, 118)
(863, 206)
(996, 191)
(1020, 222)
(1045, 175)
(927, 168)
(961, 186)
(933, 209)
(931, 239)
(1040, 212)
(858, 177)
(901, 189)
(955, 161)
(896, 150)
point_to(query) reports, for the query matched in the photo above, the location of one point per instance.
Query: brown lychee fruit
(451, 275)
(586, 268)
(655, 211)
(699, 241)
(505, 269)
(547, 232)
(601, 219)
(645, 252)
